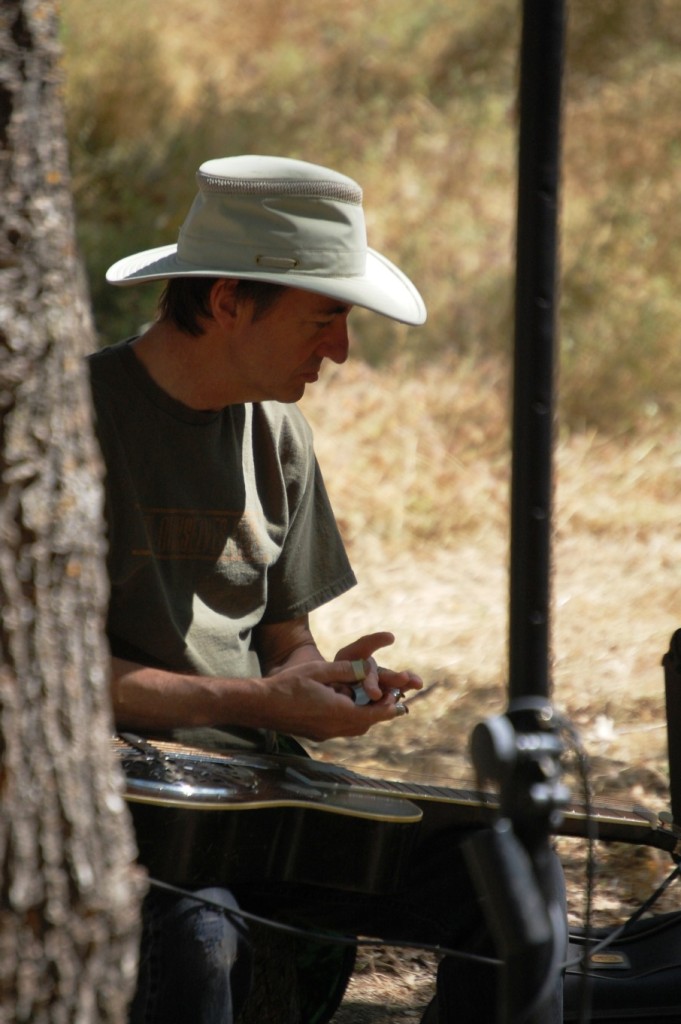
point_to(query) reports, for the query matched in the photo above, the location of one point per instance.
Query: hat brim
(383, 288)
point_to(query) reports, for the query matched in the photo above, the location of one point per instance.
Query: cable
(592, 836)
(328, 937)
(621, 930)
(583, 775)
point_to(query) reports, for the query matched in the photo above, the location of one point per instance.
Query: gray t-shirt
(217, 521)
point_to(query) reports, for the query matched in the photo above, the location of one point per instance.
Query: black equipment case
(636, 978)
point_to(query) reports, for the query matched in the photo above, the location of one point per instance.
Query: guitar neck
(610, 824)
(242, 778)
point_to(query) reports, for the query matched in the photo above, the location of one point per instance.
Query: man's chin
(293, 393)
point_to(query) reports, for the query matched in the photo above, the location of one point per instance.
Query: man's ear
(223, 300)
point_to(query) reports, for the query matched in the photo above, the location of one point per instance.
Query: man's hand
(378, 683)
(315, 700)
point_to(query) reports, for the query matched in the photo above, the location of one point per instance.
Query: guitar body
(190, 848)
(204, 819)
(209, 818)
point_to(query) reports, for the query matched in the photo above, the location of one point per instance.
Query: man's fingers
(404, 680)
(365, 646)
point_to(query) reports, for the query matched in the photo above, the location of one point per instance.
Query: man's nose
(337, 343)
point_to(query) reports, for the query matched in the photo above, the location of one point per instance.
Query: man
(222, 540)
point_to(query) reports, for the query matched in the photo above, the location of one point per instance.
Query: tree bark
(69, 890)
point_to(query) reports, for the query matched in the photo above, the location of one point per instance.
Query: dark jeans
(195, 967)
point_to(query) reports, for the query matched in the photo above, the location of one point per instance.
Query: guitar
(288, 818)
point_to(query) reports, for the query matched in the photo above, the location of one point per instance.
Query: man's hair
(185, 300)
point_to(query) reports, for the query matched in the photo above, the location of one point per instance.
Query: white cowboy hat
(269, 218)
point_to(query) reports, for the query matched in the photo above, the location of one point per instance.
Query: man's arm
(300, 693)
(147, 698)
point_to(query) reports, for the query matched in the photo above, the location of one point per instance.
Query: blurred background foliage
(418, 102)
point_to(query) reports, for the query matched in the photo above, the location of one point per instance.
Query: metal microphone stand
(512, 864)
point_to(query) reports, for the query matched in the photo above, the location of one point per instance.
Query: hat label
(276, 262)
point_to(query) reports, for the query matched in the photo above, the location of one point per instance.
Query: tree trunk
(69, 890)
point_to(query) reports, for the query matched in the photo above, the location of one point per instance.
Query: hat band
(194, 252)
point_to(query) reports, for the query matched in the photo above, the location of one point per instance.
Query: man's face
(275, 356)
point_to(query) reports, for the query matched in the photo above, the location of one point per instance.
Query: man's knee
(213, 935)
